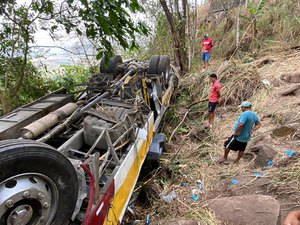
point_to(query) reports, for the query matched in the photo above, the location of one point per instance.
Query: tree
(254, 10)
(176, 15)
(104, 22)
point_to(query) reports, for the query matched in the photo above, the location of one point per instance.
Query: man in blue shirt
(247, 122)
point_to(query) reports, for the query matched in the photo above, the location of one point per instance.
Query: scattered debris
(290, 153)
(147, 222)
(199, 185)
(266, 83)
(269, 163)
(233, 182)
(184, 184)
(194, 197)
(262, 174)
(169, 197)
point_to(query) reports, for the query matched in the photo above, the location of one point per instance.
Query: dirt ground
(193, 152)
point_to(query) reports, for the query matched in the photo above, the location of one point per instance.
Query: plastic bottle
(169, 197)
(199, 185)
(147, 220)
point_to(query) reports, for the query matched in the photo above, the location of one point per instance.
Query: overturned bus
(75, 157)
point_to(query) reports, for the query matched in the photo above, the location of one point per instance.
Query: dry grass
(192, 153)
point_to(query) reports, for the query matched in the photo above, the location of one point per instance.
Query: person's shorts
(205, 56)
(235, 145)
(212, 106)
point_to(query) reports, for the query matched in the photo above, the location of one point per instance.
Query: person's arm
(218, 91)
(238, 129)
(256, 126)
(292, 218)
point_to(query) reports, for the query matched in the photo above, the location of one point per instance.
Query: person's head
(205, 36)
(245, 105)
(212, 77)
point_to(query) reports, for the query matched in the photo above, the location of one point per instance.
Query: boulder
(180, 222)
(293, 77)
(247, 210)
(293, 90)
(264, 153)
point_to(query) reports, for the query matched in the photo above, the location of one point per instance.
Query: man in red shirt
(207, 44)
(214, 97)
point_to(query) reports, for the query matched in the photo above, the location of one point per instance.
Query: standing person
(214, 97)
(247, 122)
(207, 44)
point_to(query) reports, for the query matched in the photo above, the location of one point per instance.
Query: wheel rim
(29, 198)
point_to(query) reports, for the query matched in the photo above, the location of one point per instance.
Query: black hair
(213, 75)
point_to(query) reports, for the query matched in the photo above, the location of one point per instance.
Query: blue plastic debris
(269, 162)
(259, 174)
(290, 153)
(234, 182)
(194, 197)
(147, 220)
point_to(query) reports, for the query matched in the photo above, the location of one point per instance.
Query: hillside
(265, 71)
(193, 152)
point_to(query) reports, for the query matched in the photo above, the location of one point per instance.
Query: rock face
(247, 210)
(293, 90)
(180, 222)
(291, 77)
(264, 153)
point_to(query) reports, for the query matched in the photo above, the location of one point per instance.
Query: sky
(55, 55)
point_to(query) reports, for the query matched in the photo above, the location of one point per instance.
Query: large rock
(179, 222)
(247, 210)
(293, 77)
(264, 153)
(293, 90)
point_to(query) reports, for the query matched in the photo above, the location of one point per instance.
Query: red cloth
(207, 44)
(215, 92)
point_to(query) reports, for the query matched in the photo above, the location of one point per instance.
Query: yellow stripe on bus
(120, 198)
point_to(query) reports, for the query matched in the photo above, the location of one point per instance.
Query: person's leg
(211, 112)
(207, 57)
(211, 117)
(239, 156)
(227, 147)
(203, 59)
(242, 146)
(225, 156)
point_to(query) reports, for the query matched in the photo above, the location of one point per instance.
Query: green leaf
(54, 27)
(260, 6)
(113, 17)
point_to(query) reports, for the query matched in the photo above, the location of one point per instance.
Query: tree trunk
(178, 34)
(254, 28)
(238, 27)
(5, 101)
